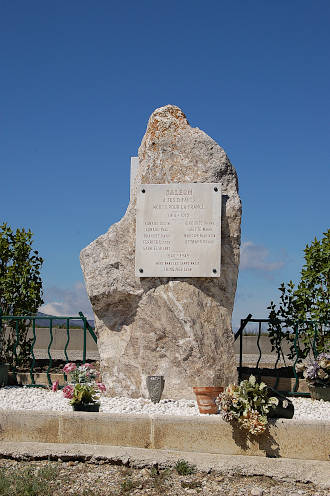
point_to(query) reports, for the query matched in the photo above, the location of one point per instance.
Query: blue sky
(79, 79)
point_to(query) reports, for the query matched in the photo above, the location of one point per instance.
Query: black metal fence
(14, 322)
(275, 373)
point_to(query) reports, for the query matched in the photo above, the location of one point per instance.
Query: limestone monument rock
(177, 327)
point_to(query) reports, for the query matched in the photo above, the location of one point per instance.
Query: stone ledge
(285, 439)
(305, 471)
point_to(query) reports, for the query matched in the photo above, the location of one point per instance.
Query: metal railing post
(240, 353)
(239, 334)
(85, 343)
(32, 351)
(49, 355)
(1, 335)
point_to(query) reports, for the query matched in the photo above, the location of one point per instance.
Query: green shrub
(307, 307)
(184, 468)
(20, 292)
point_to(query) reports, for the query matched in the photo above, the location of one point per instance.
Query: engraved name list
(178, 229)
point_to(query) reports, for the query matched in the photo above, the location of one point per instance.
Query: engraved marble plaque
(178, 230)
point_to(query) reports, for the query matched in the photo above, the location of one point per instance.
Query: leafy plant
(20, 292)
(5, 484)
(248, 404)
(154, 472)
(27, 482)
(127, 485)
(84, 394)
(191, 484)
(184, 468)
(305, 309)
(158, 478)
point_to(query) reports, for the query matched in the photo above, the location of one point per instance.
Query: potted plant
(83, 391)
(317, 375)
(83, 397)
(247, 404)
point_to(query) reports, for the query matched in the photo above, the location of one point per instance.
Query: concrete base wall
(76, 341)
(60, 339)
(250, 346)
(209, 434)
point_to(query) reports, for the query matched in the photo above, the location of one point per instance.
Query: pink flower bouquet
(82, 389)
(83, 374)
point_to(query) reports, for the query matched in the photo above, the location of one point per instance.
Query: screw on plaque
(214, 271)
(143, 190)
(141, 270)
(215, 189)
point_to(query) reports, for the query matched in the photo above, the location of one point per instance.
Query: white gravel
(23, 398)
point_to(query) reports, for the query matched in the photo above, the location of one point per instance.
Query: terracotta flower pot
(206, 397)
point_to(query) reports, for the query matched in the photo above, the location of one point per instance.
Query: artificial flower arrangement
(247, 403)
(82, 390)
(317, 373)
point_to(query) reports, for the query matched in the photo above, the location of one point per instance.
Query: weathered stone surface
(176, 327)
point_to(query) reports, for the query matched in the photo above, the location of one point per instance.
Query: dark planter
(91, 407)
(320, 393)
(284, 409)
(282, 412)
(3, 374)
